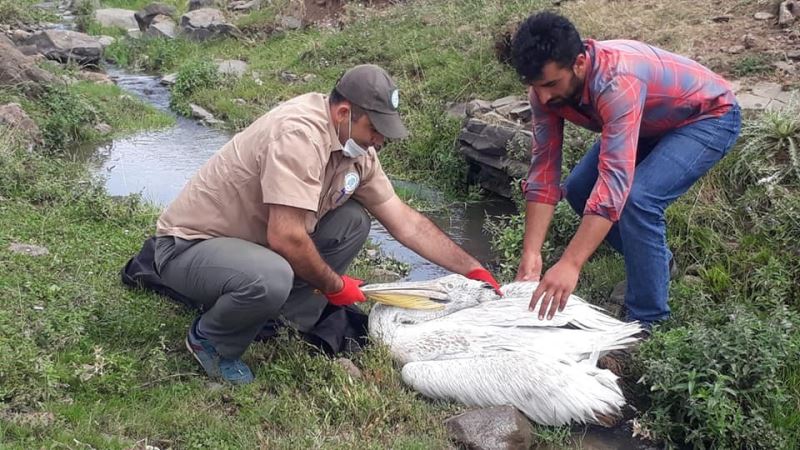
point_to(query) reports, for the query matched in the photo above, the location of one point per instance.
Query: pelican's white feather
(486, 351)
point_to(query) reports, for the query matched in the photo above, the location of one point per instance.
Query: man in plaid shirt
(664, 121)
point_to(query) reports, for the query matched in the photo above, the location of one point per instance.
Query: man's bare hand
(530, 267)
(555, 288)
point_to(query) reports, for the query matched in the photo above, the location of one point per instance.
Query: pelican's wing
(441, 340)
(547, 390)
(513, 311)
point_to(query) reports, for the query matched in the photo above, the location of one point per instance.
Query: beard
(573, 95)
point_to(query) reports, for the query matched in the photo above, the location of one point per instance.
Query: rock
(793, 54)
(199, 4)
(722, 18)
(617, 296)
(18, 69)
(486, 138)
(4, 40)
(456, 110)
(290, 22)
(162, 26)
(763, 16)
(20, 35)
(788, 11)
(14, 117)
(288, 77)
(501, 427)
(476, 107)
(232, 67)
(105, 41)
(764, 95)
(103, 128)
(133, 33)
(350, 368)
(749, 40)
(115, 18)
(240, 101)
(169, 79)
(27, 249)
(30, 50)
(65, 46)
(202, 115)
(146, 16)
(206, 23)
(735, 49)
(94, 77)
(784, 66)
(242, 6)
(500, 102)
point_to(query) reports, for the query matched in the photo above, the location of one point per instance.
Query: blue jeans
(666, 167)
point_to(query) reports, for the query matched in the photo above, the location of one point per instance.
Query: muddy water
(156, 164)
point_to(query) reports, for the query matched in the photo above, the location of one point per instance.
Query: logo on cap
(395, 99)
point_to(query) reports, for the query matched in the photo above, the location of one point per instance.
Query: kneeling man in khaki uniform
(269, 225)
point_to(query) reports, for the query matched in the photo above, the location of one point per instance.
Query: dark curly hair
(542, 38)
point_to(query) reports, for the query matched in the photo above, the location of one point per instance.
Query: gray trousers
(240, 286)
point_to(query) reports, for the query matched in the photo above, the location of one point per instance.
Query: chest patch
(351, 180)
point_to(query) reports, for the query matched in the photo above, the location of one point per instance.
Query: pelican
(482, 350)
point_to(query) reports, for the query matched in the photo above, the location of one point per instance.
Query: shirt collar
(589, 44)
(335, 144)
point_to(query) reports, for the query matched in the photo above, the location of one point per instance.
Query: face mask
(351, 149)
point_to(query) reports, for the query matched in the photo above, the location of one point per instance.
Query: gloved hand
(484, 275)
(348, 294)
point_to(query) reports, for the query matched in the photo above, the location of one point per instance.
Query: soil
(324, 10)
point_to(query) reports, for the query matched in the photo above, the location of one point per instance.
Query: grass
(85, 362)
(88, 362)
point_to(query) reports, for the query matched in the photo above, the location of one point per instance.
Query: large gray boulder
(12, 116)
(207, 23)
(115, 17)
(66, 45)
(199, 4)
(497, 428)
(495, 141)
(18, 69)
(162, 26)
(147, 15)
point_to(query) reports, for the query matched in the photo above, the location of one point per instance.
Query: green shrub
(770, 150)
(68, 117)
(714, 385)
(195, 75)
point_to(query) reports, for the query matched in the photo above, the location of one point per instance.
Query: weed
(195, 75)
(752, 65)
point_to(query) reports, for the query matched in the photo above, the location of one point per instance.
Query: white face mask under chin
(351, 148)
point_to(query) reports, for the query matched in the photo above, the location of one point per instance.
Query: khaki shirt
(289, 156)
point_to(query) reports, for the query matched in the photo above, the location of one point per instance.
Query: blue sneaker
(234, 371)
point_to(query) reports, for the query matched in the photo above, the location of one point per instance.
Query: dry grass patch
(704, 30)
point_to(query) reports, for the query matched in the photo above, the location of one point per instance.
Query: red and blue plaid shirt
(631, 89)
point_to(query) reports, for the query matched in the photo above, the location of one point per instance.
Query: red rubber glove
(348, 294)
(484, 275)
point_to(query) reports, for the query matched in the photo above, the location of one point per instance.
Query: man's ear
(341, 112)
(580, 65)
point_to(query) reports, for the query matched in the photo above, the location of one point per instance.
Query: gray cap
(371, 88)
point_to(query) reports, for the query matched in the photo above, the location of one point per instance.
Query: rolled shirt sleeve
(542, 184)
(620, 106)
